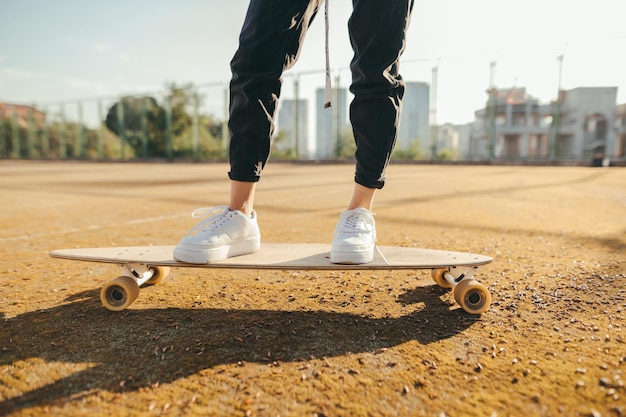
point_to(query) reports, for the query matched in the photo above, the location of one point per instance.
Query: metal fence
(177, 122)
(189, 122)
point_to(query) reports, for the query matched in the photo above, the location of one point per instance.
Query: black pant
(270, 42)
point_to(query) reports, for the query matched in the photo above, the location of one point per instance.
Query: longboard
(151, 264)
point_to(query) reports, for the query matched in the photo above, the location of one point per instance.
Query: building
(453, 140)
(22, 114)
(294, 127)
(414, 132)
(620, 127)
(587, 120)
(331, 123)
(514, 125)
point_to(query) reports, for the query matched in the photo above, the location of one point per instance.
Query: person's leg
(242, 196)
(377, 33)
(362, 197)
(269, 43)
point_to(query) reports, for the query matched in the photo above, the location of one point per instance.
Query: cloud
(75, 87)
(102, 47)
(110, 50)
(9, 73)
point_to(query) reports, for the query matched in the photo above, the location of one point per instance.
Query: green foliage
(346, 146)
(202, 144)
(134, 127)
(446, 154)
(279, 151)
(140, 122)
(412, 153)
(55, 140)
(171, 126)
(166, 130)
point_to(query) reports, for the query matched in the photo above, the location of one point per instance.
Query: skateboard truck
(472, 296)
(118, 294)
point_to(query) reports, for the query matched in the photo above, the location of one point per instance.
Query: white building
(414, 121)
(294, 127)
(578, 126)
(331, 123)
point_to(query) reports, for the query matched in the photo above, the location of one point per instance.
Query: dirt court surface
(315, 343)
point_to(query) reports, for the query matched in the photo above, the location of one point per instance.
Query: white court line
(92, 227)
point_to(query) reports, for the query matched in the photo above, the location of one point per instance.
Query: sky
(55, 51)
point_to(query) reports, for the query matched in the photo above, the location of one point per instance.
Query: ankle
(362, 197)
(245, 209)
(354, 207)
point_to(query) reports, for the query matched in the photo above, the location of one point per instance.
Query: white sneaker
(223, 234)
(354, 238)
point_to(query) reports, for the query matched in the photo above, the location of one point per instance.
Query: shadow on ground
(138, 348)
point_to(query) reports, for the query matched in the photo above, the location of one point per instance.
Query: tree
(166, 130)
(187, 142)
(141, 122)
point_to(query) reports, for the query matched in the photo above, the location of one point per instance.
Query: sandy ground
(311, 343)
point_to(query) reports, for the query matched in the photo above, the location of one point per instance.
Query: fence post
(295, 108)
(62, 135)
(15, 136)
(196, 127)
(556, 121)
(100, 132)
(144, 127)
(121, 128)
(491, 126)
(45, 138)
(168, 124)
(225, 133)
(2, 138)
(80, 151)
(30, 135)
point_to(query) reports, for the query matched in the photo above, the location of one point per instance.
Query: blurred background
(489, 80)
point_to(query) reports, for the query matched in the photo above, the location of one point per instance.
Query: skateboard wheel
(437, 275)
(119, 293)
(473, 297)
(160, 273)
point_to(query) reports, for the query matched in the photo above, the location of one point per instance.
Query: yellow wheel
(473, 297)
(437, 275)
(119, 293)
(160, 273)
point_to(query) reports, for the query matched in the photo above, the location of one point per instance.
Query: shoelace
(351, 223)
(215, 219)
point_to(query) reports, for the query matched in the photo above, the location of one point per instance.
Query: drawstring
(327, 90)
